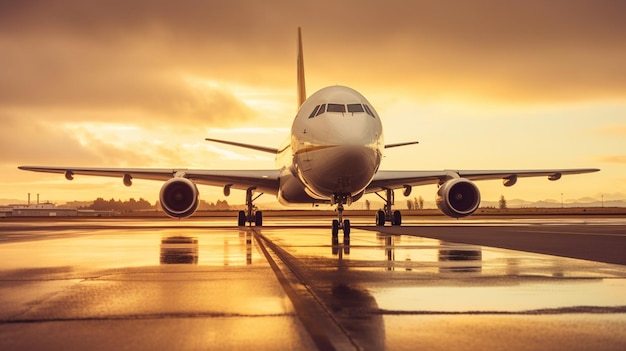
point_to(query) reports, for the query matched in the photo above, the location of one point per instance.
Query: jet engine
(179, 197)
(458, 197)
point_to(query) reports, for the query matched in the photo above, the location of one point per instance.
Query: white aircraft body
(332, 156)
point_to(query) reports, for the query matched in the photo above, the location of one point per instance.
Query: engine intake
(179, 197)
(458, 198)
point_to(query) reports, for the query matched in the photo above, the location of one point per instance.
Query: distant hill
(549, 203)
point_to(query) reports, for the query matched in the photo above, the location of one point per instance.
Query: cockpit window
(369, 111)
(314, 111)
(336, 108)
(321, 110)
(355, 108)
(351, 108)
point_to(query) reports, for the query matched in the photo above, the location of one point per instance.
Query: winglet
(301, 82)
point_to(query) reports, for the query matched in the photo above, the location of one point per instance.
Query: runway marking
(142, 317)
(325, 331)
(542, 311)
(508, 229)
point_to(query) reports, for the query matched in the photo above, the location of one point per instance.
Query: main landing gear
(250, 215)
(395, 217)
(340, 223)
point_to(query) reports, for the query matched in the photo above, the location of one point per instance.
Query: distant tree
(210, 206)
(78, 204)
(409, 204)
(419, 203)
(143, 204)
(222, 205)
(367, 204)
(101, 204)
(502, 202)
(205, 206)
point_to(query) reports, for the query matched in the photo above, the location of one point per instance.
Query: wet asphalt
(206, 284)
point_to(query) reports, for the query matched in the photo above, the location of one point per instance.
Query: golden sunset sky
(481, 85)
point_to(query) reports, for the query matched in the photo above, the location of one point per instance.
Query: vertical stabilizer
(301, 83)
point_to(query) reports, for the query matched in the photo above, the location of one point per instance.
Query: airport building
(37, 210)
(47, 209)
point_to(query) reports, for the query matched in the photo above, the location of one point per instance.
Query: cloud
(615, 130)
(72, 71)
(122, 53)
(26, 140)
(83, 79)
(618, 159)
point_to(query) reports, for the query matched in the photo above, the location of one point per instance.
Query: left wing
(265, 181)
(384, 180)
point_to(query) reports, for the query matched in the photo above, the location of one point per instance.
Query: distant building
(47, 210)
(37, 210)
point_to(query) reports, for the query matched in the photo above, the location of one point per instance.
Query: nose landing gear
(340, 223)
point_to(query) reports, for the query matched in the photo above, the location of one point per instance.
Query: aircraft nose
(352, 130)
(343, 168)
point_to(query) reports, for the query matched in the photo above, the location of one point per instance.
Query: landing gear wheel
(241, 219)
(258, 218)
(346, 229)
(250, 215)
(380, 218)
(335, 229)
(397, 218)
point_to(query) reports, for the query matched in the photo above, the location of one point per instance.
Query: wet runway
(206, 284)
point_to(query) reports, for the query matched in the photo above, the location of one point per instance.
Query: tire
(346, 228)
(335, 229)
(241, 219)
(258, 218)
(397, 218)
(380, 218)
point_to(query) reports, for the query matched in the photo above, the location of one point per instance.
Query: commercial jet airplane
(331, 157)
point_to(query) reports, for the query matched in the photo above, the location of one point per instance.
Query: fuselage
(335, 148)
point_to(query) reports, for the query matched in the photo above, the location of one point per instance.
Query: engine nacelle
(458, 198)
(179, 197)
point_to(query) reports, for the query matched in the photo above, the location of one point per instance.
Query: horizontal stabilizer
(247, 146)
(389, 146)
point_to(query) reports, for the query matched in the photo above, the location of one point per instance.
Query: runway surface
(203, 283)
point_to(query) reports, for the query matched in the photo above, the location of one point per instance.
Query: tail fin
(301, 83)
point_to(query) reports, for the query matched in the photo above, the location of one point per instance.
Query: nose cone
(342, 169)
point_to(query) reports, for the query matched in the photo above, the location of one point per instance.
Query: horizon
(430, 203)
(484, 86)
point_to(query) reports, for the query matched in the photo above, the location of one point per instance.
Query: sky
(481, 85)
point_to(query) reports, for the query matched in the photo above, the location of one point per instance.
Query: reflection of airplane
(179, 250)
(340, 249)
(332, 156)
(460, 258)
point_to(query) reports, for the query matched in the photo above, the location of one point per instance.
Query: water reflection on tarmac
(205, 284)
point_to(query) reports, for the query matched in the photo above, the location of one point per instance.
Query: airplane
(332, 156)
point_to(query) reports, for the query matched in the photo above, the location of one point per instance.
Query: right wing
(266, 181)
(400, 179)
